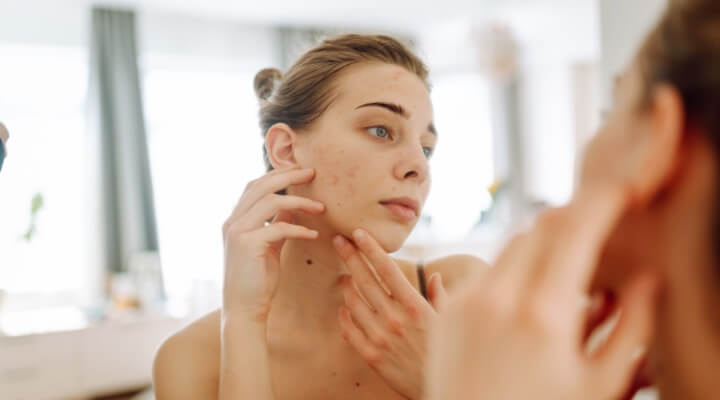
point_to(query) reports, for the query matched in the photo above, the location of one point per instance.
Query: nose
(413, 164)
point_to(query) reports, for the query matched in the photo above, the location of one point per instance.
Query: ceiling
(400, 15)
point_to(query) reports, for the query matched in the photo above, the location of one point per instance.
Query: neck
(309, 291)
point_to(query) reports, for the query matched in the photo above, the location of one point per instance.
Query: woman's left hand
(521, 331)
(386, 320)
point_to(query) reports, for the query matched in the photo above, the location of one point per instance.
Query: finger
(640, 381)
(363, 317)
(615, 363)
(574, 237)
(271, 183)
(436, 292)
(356, 337)
(272, 204)
(283, 216)
(512, 267)
(282, 231)
(363, 277)
(400, 288)
(600, 308)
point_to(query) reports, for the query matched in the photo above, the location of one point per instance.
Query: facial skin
(671, 169)
(365, 150)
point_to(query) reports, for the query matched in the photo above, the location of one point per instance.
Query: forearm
(244, 362)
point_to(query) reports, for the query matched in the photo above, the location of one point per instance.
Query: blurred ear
(280, 144)
(658, 147)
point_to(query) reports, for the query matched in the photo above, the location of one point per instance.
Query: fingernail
(358, 234)
(339, 241)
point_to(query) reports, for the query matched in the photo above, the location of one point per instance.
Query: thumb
(618, 360)
(436, 292)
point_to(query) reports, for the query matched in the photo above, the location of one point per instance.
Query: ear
(280, 142)
(659, 145)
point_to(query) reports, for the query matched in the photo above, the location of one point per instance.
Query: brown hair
(301, 96)
(684, 51)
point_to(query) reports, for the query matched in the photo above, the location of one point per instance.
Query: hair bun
(265, 81)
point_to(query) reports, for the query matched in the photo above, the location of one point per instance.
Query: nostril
(411, 174)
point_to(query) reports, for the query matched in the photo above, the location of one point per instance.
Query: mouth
(405, 208)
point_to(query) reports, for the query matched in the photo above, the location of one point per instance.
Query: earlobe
(280, 142)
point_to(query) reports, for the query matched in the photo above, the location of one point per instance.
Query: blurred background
(134, 131)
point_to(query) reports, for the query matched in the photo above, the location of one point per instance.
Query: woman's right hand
(252, 246)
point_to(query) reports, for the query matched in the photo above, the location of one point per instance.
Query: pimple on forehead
(333, 180)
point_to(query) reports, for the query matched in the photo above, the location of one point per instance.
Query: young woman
(312, 306)
(643, 224)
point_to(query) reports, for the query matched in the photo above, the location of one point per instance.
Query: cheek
(336, 179)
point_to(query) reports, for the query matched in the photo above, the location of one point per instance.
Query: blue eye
(379, 131)
(428, 151)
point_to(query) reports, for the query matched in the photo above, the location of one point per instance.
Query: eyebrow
(396, 109)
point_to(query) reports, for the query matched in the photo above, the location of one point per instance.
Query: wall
(624, 25)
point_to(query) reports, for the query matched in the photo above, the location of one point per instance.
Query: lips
(405, 208)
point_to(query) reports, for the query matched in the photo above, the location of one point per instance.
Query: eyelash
(428, 151)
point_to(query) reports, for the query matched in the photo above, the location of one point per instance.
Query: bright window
(205, 145)
(462, 166)
(42, 101)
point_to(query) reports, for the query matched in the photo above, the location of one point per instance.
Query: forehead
(375, 82)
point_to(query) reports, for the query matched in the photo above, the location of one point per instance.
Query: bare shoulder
(455, 268)
(187, 363)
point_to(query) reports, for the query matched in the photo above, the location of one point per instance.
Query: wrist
(244, 313)
(248, 324)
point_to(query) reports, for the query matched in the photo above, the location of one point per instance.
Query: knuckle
(380, 340)
(251, 185)
(235, 234)
(396, 325)
(549, 219)
(557, 221)
(413, 310)
(541, 316)
(371, 356)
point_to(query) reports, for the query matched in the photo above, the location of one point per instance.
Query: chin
(390, 236)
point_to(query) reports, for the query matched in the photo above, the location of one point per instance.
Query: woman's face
(671, 235)
(371, 151)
